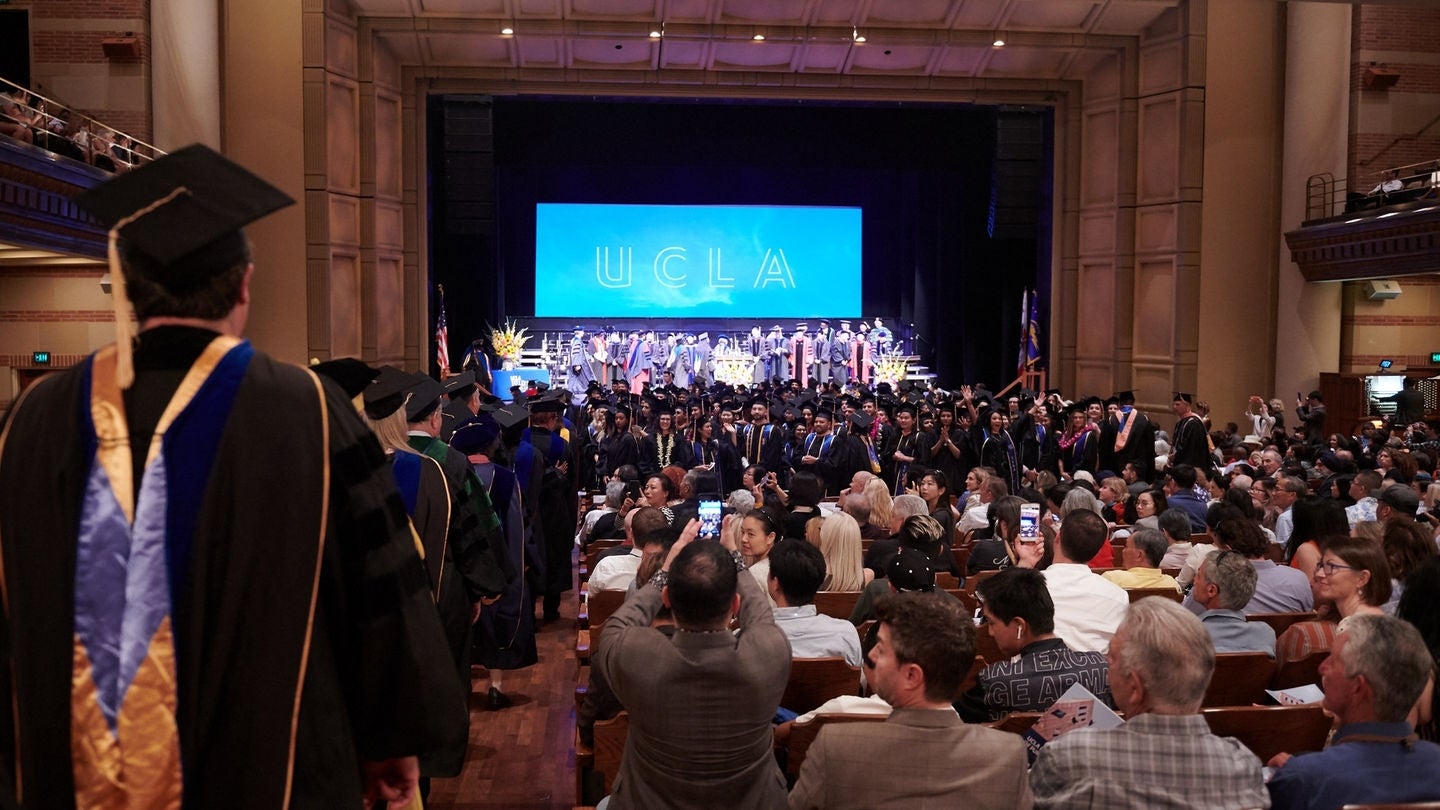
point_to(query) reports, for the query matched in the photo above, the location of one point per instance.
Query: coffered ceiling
(861, 39)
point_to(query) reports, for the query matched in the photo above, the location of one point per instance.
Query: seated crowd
(1232, 545)
(67, 133)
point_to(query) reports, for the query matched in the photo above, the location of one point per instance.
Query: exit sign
(1435, 358)
(40, 358)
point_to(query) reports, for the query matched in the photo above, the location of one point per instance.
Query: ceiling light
(507, 30)
(856, 35)
(655, 34)
(999, 42)
(759, 37)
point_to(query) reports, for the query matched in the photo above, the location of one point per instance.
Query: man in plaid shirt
(1161, 659)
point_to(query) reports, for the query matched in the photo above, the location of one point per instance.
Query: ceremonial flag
(1023, 362)
(442, 337)
(1032, 335)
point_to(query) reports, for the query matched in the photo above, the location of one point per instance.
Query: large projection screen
(696, 261)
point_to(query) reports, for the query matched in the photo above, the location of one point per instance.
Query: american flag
(442, 338)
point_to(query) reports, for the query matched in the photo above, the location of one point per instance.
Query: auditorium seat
(974, 580)
(967, 598)
(803, 734)
(1302, 672)
(1280, 621)
(839, 604)
(1269, 730)
(961, 553)
(1240, 679)
(816, 680)
(1136, 594)
(947, 580)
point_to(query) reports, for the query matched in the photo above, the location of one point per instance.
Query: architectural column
(1244, 56)
(1316, 101)
(185, 73)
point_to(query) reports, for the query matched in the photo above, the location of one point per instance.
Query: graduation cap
(476, 434)
(387, 392)
(791, 414)
(860, 420)
(549, 403)
(460, 385)
(425, 395)
(906, 407)
(180, 217)
(1180, 395)
(511, 415)
(1125, 397)
(825, 413)
(349, 373)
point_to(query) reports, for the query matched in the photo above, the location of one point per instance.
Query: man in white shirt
(1365, 503)
(646, 531)
(1088, 608)
(1288, 490)
(796, 571)
(614, 496)
(978, 517)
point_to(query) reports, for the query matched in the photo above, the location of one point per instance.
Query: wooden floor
(523, 758)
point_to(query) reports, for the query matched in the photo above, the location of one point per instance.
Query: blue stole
(406, 469)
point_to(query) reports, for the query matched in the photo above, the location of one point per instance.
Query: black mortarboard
(197, 233)
(791, 413)
(352, 375)
(860, 420)
(180, 217)
(386, 393)
(425, 395)
(1124, 396)
(906, 407)
(1180, 395)
(825, 413)
(511, 415)
(550, 403)
(460, 385)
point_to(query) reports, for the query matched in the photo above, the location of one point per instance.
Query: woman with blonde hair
(840, 543)
(880, 503)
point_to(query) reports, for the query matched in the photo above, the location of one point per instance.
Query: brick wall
(69, 64)
(1398, 126)
(55, 308)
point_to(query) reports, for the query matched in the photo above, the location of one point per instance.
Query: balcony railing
(61, 130)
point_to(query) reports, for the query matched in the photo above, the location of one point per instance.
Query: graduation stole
(132, 559)
(760, 445)
(1123, 435)
(904, 468)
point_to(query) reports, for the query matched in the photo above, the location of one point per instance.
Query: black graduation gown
(1191, 444)
(305, 635)
(1139, 447)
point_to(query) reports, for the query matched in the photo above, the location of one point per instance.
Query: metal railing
(1326, 196)
(62, 130)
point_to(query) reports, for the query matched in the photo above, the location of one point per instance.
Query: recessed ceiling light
(759, 37)
(856, 35)
(507, 30)
(999, 43)
(655, 34)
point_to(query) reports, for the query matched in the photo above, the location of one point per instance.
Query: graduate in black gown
(210, 583)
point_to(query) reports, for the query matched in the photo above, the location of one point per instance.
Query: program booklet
(1077, 708)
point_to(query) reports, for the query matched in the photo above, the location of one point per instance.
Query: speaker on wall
(1382, 289)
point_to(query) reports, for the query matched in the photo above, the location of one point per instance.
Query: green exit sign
(1435, 358)
(40, 358)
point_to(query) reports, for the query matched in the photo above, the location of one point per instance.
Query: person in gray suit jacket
(1224, 585)
(923, 755)
(700, 702)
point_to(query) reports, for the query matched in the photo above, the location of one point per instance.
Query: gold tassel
(124, 329)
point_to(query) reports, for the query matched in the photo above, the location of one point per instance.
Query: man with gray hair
(1161, 660)
(1288, 490)
(903, 508)
(882, 550)
(1144, 549)
(1224, 585)
(1377, 669)
(1175, 523)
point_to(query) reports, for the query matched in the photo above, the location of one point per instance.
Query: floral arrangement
(509, 342)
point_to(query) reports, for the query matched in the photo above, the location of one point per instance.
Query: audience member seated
(614, 497)
(844, 558)
(1352, 579)
(759, 531)
(1374, 674)
(913, 564)
(1020, 617)
(1088, 608)
(806, 491)
(1224, 584)
(1144, 549)
(15, 116)
(1360, 488)
(998, 550)
(1180, 494)
(1176, 526)
(647, 531)
(1278, 588)
(923, 754)
(600, 702)
(1313, 518)
(796, 570)
(904, 507)
(1164, 756)
(977, 518)
(700, 702)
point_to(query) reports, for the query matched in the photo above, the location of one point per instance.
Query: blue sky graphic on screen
(696, 261)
